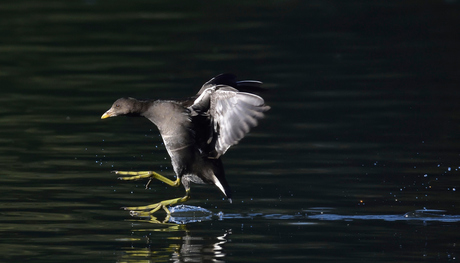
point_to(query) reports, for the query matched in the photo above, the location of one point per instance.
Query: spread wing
(232, 114)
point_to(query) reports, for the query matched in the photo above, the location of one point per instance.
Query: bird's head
(122, 106)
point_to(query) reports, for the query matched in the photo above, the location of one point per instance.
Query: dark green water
(364, 128)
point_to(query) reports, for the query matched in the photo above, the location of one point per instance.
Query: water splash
(183, 214)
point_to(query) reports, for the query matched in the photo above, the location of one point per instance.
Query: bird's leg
(147, 174)
(147, 210)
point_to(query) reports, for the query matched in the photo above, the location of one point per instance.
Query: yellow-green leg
(150, 209)
(147, 174)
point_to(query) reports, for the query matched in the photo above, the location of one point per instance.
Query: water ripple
(185, 214)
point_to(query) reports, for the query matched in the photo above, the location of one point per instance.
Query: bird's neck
(139, 107)
(151, 110)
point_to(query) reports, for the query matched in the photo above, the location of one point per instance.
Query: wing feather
(232, 113)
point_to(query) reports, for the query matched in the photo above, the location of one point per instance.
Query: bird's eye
(117, 106)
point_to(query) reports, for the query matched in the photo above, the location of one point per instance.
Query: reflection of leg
(150, 209)
(147, 174)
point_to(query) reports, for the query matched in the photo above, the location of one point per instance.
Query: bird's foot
(146, 174)
(145, 211)
(135, 175)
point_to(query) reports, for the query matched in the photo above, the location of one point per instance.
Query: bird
(196, 132)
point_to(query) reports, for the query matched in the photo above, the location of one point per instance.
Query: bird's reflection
(166, 240)
(197, 249)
